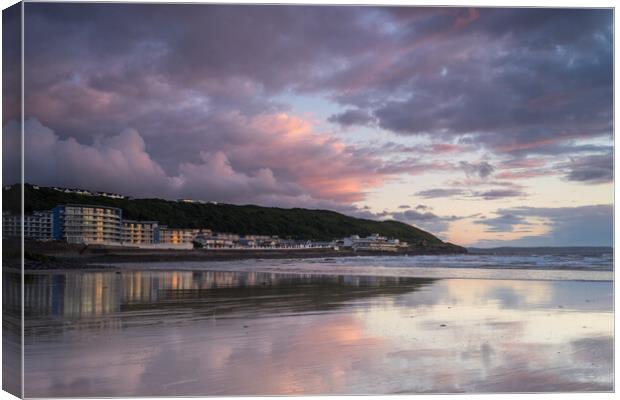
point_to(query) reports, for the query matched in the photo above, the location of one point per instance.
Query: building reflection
(76, 295)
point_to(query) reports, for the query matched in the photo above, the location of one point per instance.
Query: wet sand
(251, 333)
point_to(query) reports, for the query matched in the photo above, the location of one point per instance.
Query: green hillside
(296, 223)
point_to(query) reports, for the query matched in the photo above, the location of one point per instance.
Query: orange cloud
(324, 166)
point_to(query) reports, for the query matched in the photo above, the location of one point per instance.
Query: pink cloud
(537, 143)
(462, 21)
(323, 166)
(440, 148)
(525, 174)
(523, 163)
(274, 158)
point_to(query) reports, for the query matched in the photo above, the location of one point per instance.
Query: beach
(234, 329)
(55, 255)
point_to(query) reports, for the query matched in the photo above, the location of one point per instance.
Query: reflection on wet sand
(245, 333)
(11, 332)
(74, 299)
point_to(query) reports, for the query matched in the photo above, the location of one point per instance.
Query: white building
(372, 243)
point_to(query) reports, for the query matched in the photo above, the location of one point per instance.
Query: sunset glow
(486, 127)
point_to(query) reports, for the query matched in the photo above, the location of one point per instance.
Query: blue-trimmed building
(80, 223)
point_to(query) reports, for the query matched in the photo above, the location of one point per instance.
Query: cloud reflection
(218, 333)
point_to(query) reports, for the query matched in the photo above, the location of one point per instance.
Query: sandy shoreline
(351, 268)
(338, 267)
(61, 256)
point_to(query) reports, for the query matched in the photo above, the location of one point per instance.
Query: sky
(485, 126)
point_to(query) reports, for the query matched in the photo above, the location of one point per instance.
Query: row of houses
(82, 192)
(78, 223)
(94, 224)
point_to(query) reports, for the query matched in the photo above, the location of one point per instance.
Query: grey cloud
(482, 169)
(181, 67)
(512, 95)
(498, 194)
(412, 215)
(394, 75)
(592, 169)
(436, 193)
(569, 226)
(425, 219)
(502, 223)
(490, 194)
(352, 117)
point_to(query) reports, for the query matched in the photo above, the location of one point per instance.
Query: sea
(591, 263)
(492, 321)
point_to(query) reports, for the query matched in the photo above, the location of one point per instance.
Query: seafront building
(37, 226)
(78, 223)
(214, 241)
(94, 224)
(374, 242)
(177, 235)
(140, 232)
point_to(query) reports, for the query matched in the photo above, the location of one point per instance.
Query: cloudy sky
(485, 126)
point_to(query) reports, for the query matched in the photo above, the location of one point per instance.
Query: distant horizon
(541, 247)
(487, 126)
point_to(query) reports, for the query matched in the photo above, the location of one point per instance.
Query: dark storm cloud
(532, 80)
(95, 66)
(195, 86)
(11, 53)
(11, 90)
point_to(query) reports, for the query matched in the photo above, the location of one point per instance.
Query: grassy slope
(249, 219)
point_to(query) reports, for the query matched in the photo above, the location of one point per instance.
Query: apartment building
(78, 223)
(37, 226)
(140, 232)
(177, 235)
